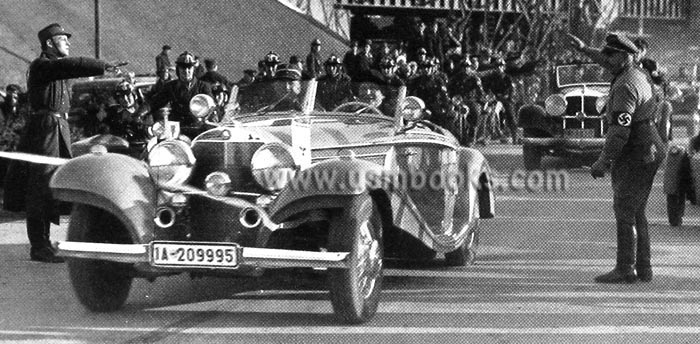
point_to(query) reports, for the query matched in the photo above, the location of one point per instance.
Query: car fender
(673, 171)
(114, 182)
(332, 178)
(478, 174)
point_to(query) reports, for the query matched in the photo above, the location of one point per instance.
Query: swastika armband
(623, 119)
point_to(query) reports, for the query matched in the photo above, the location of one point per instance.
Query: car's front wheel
(355, 291)
(675, 206)
(101, 286)
(466, 253)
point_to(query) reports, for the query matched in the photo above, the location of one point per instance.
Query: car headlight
(218, 183)
(171, 162)
(273, 166)
(600, 104)
(555, 105)
(201, 105)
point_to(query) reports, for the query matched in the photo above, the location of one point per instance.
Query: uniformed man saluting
(633, 151)
(47, 133)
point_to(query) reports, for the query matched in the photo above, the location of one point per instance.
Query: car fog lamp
(600, 104)
(555, 105)
(218, 183)
(171, 162)
(201, 105)
(273, 166)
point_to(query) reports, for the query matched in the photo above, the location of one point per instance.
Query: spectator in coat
(212, 75)
(313, 60)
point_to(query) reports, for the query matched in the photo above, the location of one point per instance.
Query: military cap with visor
(185, 60)
(52, 30)
(615, 43)
(271, 59)
(333, 61)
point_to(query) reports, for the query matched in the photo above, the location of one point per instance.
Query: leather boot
(620, 274)
(644, 273)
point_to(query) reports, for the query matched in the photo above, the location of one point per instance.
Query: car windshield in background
(570, 75)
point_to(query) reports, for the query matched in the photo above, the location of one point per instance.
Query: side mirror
(202, 105)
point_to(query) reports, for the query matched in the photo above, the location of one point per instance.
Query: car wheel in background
(532, 158)
(101, 286)
(355, 291)
(675, 206)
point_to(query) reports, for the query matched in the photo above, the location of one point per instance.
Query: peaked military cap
(619, 43)
(54, 29)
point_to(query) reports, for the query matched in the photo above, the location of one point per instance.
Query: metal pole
(97, 29)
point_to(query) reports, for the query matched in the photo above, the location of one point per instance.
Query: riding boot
(626, 255)
(643, 263)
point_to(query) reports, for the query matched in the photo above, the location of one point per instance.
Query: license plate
(194, 254)
(579, 133)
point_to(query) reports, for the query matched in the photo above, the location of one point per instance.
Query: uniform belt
(646, 121)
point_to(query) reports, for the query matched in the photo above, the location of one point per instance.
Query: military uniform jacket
(468, 86)
(47, 132)
(333, 91)
(162, 63)
(632, 107)
(179, 95)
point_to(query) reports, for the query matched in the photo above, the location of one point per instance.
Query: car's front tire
(466, 253)
(101, 286)
(675, 207)
(532, 158)
(355, 291)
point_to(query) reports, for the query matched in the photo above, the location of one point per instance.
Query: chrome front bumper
(250, 256)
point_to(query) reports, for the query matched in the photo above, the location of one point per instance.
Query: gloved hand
(598, 168)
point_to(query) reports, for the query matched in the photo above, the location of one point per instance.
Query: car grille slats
(232, 158)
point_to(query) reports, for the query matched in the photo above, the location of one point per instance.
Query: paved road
(532, 284)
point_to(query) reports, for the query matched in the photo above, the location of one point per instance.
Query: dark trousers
(40, 210)
(632, 182)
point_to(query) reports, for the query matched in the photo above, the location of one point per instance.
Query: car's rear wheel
(675, 206)
(355, 291)
(532, 157)
(101, 286)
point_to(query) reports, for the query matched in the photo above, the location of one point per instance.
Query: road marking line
(334, 330)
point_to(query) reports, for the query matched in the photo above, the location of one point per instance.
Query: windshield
(582, 74)
(273, 95)
(289, 96)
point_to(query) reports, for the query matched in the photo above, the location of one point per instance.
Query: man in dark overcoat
(47, 133)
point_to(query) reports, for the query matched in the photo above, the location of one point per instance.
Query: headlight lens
(201, 105)
(600, 104)
(218, 183)
(273, 166)
(171, 162)
(555, 105)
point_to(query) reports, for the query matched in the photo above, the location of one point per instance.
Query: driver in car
(287, 89)
(334, 88)
(180, 91)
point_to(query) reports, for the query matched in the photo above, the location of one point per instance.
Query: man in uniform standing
(633, 151)
(334, 88)
(47, 133)
(313, 60)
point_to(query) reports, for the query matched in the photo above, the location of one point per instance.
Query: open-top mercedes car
(277, 186)
(571, 122)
